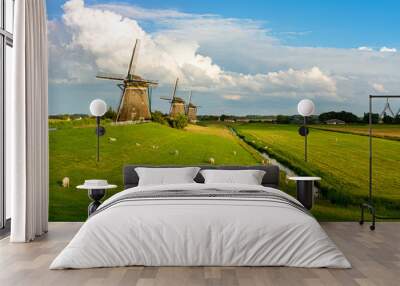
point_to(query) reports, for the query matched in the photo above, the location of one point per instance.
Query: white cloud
(139, 13)
(107, 37)
(388, 50)
(378, 87)
(233, 97)
(367, 49)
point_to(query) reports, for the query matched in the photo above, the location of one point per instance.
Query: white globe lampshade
(306, 107)
(98, 107)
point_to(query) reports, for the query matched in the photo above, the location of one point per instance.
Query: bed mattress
(201, 225)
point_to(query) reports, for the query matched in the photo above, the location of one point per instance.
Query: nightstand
(305, 194)
(96, 191)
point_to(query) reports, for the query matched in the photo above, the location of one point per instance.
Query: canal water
(289, 172)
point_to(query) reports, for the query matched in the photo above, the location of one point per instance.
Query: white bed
(202, 231)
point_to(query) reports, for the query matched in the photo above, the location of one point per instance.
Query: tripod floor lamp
(369, 204)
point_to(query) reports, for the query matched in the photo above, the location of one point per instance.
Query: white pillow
(248, 177)
(166, 176)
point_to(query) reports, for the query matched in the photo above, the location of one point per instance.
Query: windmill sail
(134, 58)
(175, 88)
(110, 76)
(190, 102)
(171, 108)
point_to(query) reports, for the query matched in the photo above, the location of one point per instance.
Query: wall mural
(214, 88)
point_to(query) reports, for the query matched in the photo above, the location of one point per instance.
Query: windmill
(135, 100)
(191, 110)
(177, 104)
(387, 108)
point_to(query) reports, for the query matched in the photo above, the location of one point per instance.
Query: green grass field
(341, 159)
(387, 131)
(73, 151)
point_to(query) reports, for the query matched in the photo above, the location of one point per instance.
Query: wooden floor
(375, 257)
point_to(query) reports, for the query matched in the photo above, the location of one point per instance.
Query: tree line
(345, 116)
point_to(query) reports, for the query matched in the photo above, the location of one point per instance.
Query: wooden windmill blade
(165, 98)
(110, 76)
(173, 95)
(175, 88)
(121, 102)
(121, 86)
(134, 58)
(190, 97)
(189, 102)
(149, 82)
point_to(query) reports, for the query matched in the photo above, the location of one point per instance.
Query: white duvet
(202, 232)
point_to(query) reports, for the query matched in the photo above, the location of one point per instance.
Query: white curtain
(26, 124)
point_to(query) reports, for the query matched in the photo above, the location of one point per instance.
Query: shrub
(375, 118)
(110, 114)
(159, 117)
(178, 122)
(387, 119)
(347, 117)
(282, 119)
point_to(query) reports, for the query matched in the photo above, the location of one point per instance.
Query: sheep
(137, 144)
(234, 153)
(65, 182)
(112, 139)
(211, 161)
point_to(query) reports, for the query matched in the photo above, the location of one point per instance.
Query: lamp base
(95, 195)
(371, 209)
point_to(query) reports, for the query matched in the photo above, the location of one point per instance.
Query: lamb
(65, 182)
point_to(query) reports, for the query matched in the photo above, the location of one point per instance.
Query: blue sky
(291, 32)
(339, 23)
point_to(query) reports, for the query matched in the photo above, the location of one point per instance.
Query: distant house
(243, 120)
(335, 122)
(229, 120)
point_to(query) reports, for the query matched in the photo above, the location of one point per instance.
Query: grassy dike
(340, 159)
